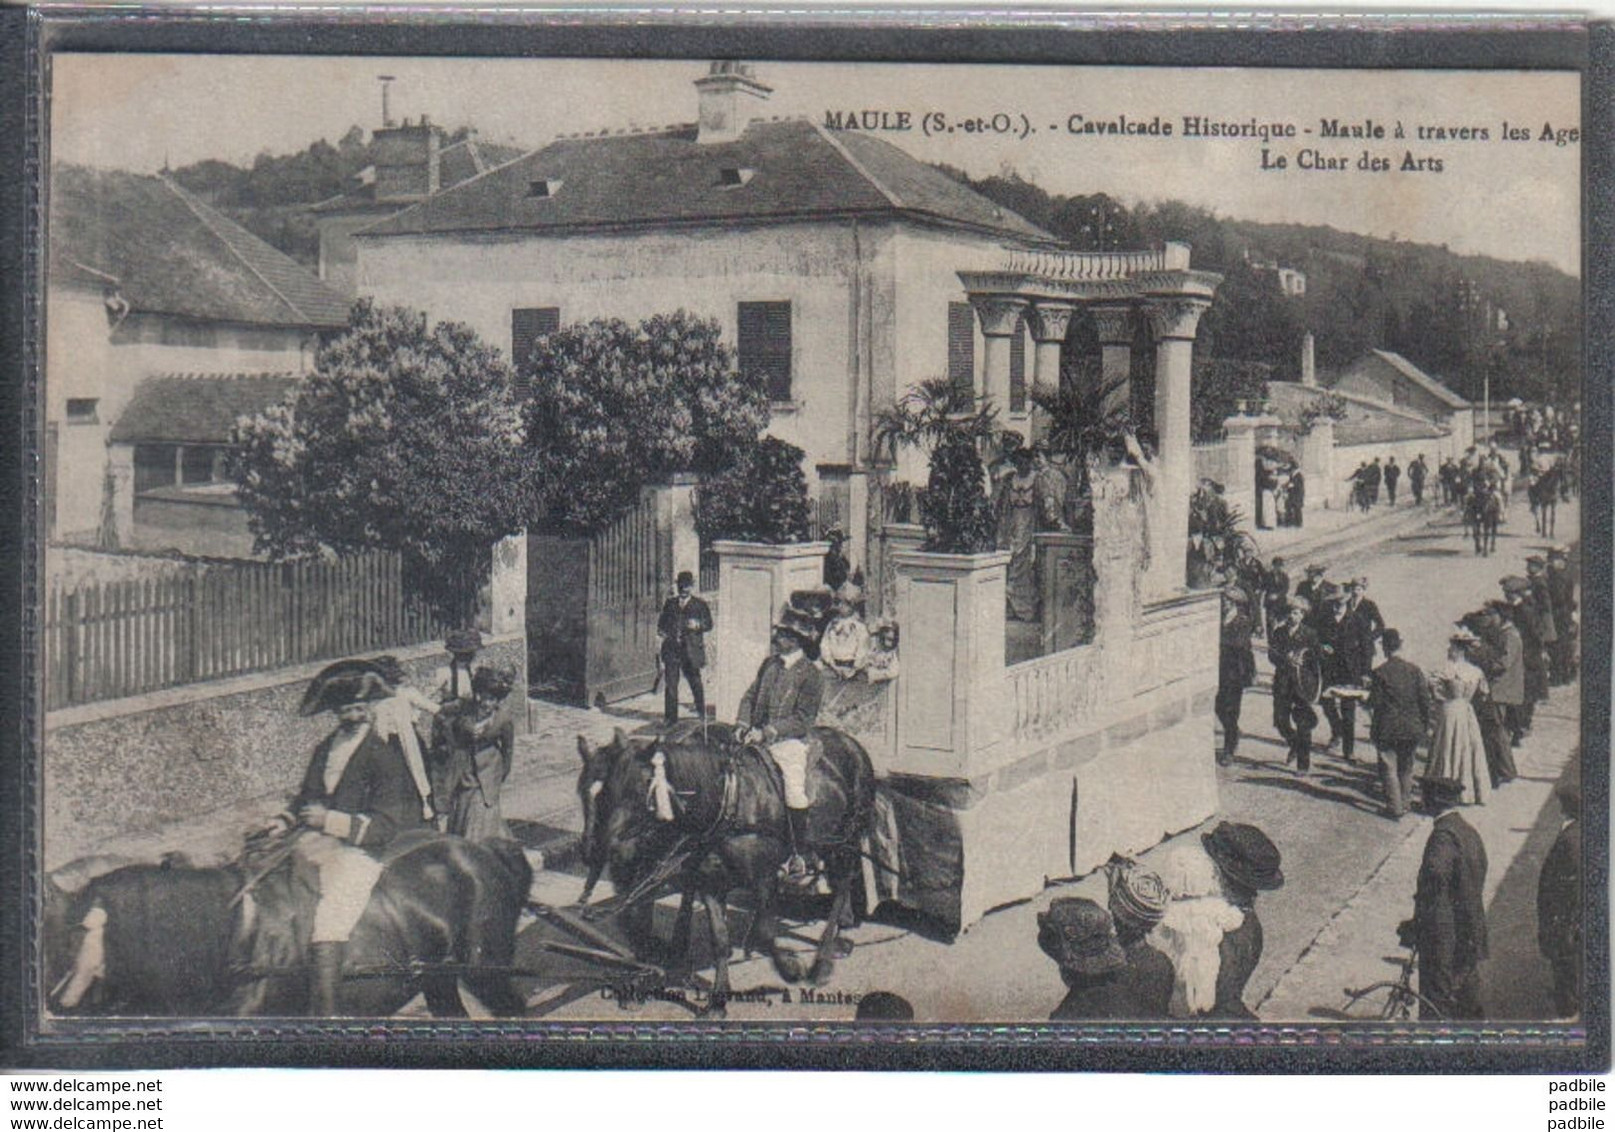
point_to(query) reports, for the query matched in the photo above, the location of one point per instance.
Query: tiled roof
(774, 171)
(1423, 380)
(457, 163)
(197, 408)
(172, 254)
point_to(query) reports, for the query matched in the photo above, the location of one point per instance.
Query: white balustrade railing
(1086, 266)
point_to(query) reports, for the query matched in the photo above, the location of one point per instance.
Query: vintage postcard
(622, 543)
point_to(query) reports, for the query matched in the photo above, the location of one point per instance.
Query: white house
(143, 280)
(831, 259)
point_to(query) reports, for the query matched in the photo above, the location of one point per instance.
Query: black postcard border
(29, 36)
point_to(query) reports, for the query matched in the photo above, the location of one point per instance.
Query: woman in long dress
(1017, 523)
(1458, 751)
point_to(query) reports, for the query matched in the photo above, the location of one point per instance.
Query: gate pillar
(755, 580)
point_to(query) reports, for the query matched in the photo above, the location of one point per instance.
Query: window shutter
(962, 346)
(527, 326)
(1017, 367)
(765, 346)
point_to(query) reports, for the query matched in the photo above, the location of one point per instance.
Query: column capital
(1175, 316)
(1049, 320)
(1115, 324)
(999, 314)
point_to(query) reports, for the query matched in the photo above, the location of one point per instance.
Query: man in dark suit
(1559, 900)
(778, 711)
(1293, 648)
(1236, 666)
(1417, 471)
(1536, 572)
(1399, 696)
(1364, 607)
(1393, 476)
(1562, 594)
(1522, 608)
(1307, 589)
(1276, 593)
(1449, 908)
(1295, 499)
(1346, 657)
(683, 626)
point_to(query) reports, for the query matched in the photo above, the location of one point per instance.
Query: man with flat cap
(1248, 863)
(1293, 649)
(1403, 714)
(1276, 591)
(1449, 908)
(683, 626)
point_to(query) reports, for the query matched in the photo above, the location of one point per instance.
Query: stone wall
(135, 765)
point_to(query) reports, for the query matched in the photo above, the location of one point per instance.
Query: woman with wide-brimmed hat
(1457, 749)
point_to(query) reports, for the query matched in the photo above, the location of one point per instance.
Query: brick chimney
(730, 96)
(407, 161)
(1309, 372)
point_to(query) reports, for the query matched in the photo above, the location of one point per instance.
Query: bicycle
(1401, 1002)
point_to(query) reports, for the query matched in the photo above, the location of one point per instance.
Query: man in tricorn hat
(1449, 916)
(356, 797)
(778, 711)
(1249, 863)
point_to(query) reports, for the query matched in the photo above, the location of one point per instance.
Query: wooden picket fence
(104, 640)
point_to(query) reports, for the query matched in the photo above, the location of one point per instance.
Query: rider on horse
(357, 795)
(778, 711)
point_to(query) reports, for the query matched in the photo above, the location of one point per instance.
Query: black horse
(1483, 513)
(1544, 496)
(726, 831)
(169, 940)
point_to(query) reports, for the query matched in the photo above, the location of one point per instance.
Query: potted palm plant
(951, 422)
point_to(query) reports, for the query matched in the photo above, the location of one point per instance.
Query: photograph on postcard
(600, 541)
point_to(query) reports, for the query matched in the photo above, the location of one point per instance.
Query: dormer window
(541, 189)
(733, 176)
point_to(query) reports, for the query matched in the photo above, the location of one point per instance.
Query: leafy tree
(613, 407)
(1219, 385)
(951, 422)
(403, 438)
(762, 498)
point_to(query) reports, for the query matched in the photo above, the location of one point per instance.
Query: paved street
(1350, 870)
